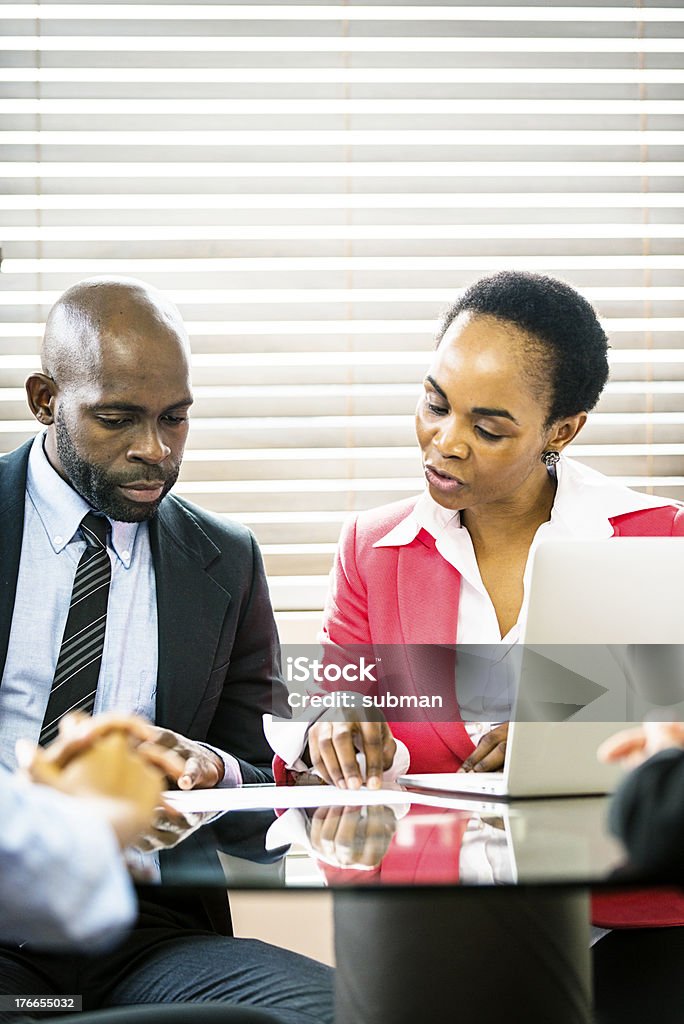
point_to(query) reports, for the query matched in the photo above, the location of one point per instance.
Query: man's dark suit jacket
(217, 640)
(647, 812)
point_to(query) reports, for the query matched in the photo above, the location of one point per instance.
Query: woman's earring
(550, 457)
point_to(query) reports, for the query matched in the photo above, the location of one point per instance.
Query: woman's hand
(352, 837)
(333, 746)
(489, 754)
(631, 747)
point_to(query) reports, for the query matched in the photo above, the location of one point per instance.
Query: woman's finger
(487, 744)
(494, 760)
(325, 749)
(623, 744)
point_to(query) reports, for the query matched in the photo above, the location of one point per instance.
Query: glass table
(431, 894)
(414, 840)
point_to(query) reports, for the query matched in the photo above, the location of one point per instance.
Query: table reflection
(541, 842)
(466, 843)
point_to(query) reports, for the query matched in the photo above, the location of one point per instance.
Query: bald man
(118, 596)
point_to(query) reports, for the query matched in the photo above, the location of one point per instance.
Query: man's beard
(100, 488)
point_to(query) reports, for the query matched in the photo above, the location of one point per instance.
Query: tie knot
(95, 530)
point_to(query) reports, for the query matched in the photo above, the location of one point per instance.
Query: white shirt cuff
(288, 740)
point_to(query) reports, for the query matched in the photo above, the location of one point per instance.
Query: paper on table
(254, 798)
(267, 797)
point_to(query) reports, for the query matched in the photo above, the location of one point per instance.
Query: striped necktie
(80, 656)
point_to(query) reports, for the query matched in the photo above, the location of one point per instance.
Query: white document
(255, 798)
(247, 798)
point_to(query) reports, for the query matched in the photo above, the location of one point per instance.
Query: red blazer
(409, 594)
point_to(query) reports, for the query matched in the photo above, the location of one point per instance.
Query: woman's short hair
(554, 315)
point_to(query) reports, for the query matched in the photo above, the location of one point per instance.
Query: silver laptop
(589, 599)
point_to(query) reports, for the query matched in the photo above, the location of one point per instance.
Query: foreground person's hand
(110, 778)
(185, 763)
(490, 752)
(78, 733)
(352, 837)
(632, 747)
(333, 746)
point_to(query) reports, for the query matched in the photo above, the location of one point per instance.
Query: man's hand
(333, 747)
(352, 837)
(632, 747)
(187, 764)
(489, 754)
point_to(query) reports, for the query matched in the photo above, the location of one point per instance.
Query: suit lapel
(12, 501)
(422, 571)
(191, 608)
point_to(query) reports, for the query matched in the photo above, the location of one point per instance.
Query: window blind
(313, 183)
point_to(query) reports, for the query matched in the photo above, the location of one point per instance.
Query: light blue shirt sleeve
(62, 878)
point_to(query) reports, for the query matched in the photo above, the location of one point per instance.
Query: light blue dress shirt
(50, 552)
(54, 857)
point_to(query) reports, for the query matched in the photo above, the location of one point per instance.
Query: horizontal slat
(333, 232)
(256, 360)
(294, 527)
(542, 169)
(210, 105)
(349, 76)
(348, 201)
(346, 12)
(391, 453)
(285, 264)
(617, 325)
(298, 627)
(298, 592)
(388, 454)
(290, 137)
(301, 562)
(351, 400)
(339, 44)
(347, 422)
(357, 463)
(269, 395)
(389, 430)
(288, 296)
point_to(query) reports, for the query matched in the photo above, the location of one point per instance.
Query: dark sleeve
(647, 813)
(253, 684)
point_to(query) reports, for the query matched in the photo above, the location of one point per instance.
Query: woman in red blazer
(520, 361)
